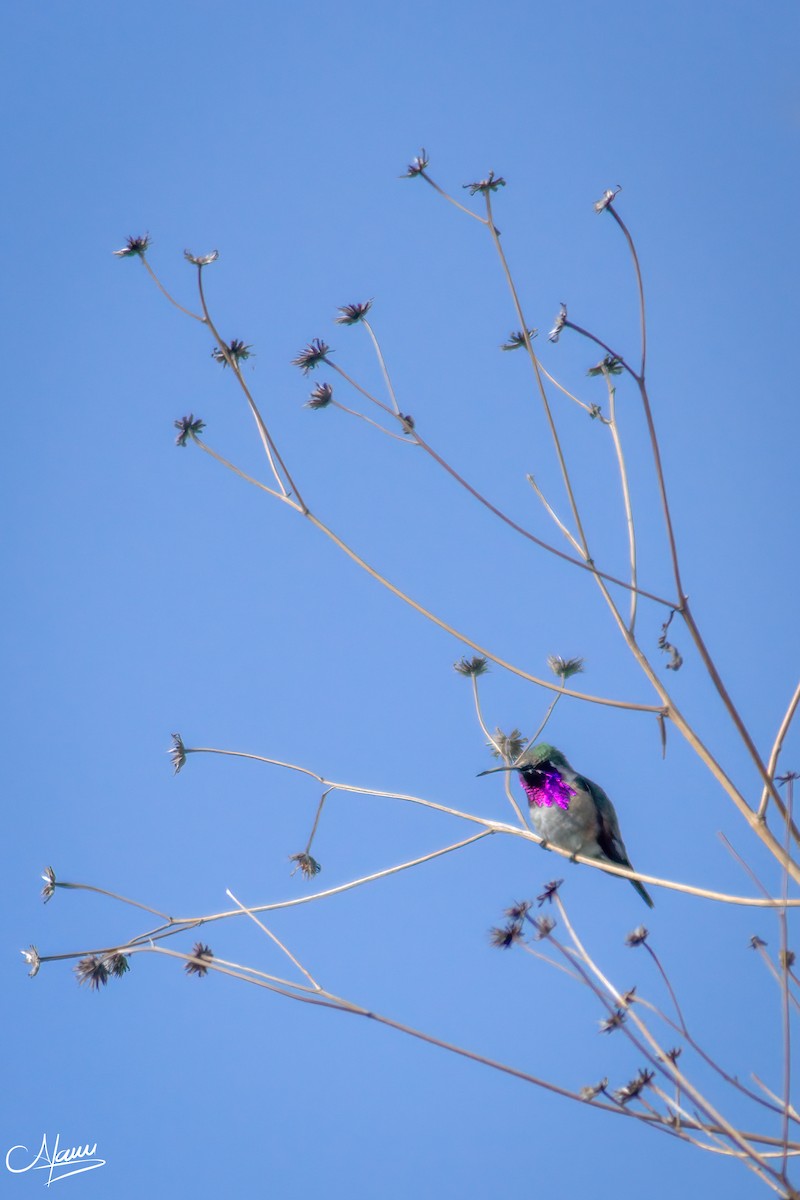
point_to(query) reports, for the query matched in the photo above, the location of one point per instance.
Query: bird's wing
(609, 837)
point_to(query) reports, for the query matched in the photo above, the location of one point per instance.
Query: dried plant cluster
(665, 1093)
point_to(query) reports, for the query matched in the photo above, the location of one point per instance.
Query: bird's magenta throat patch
(545, 788)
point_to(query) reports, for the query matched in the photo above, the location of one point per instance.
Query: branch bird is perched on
(570, 811)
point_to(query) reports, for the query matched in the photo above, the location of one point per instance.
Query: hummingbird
(569, 810)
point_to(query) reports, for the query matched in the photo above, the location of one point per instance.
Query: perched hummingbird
(570, 810)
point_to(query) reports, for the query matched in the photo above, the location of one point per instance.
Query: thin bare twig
(661, 1056)
(777, 746)
(491, 740)
(786, 1024)
(450, 199)
(376, 575)
(626, 493)
(539, 382)
(552, 514)
(416, 437)
(188, 312)
(382, 361)
(329, 1000)
(270, 449)
(249, 913)
(639, 283)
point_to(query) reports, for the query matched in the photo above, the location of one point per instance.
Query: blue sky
(149, 590)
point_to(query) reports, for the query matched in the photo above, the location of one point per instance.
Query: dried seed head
(134, 247)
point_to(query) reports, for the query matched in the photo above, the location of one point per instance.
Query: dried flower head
(519, 910)
(609, 1024)
(786, 958)
(201, 260)
(565, 668)
(755, 942)
(610, 365)
(627, 998)
(203, 952)
(549, 891)
(558, 324)
(471, 666)
(305, 864)
(233, 352)
(544, 927)
(177, 752)
(503, 937)
(407, 421)
(637, 936)
(607, 197)
(320, 397)
(31, 956)
(417, 165)
(632, 1089)
(311, 355)
(490, 184)
(676, 658)
(593, 1089)
(117, 965)
(134, 247)
(188, 427)
(92, 970)
(49, 877)
(517, 339)
(507, 745)
(351, 314)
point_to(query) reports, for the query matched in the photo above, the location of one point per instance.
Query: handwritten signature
(61, 1164)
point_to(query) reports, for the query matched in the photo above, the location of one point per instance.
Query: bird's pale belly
(573, 829)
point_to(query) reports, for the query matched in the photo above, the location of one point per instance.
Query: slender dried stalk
(415, 436)
(490, 739)
(777, 746)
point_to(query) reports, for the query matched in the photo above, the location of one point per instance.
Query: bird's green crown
(541, 753)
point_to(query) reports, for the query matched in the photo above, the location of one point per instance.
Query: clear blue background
(149, 590)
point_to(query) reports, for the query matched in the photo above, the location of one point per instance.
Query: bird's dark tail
(643, 892)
